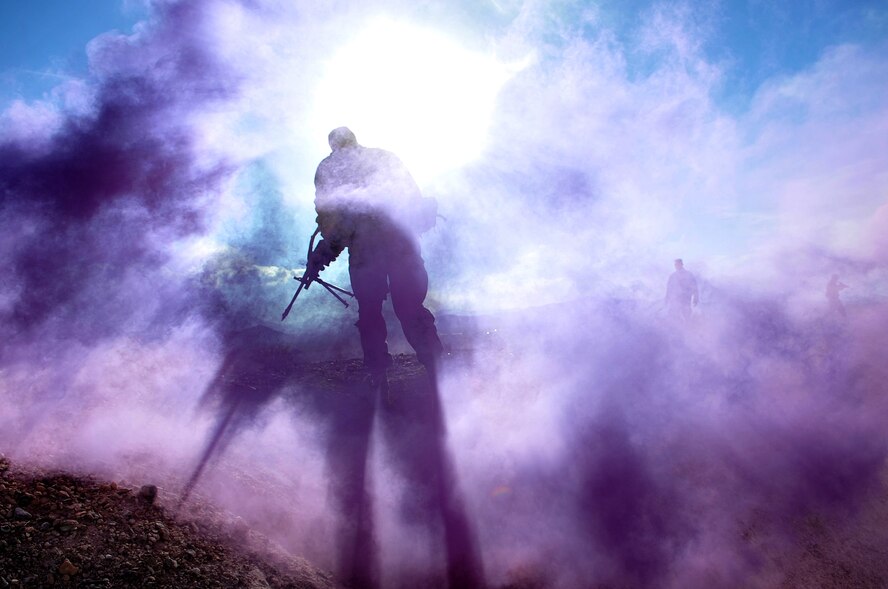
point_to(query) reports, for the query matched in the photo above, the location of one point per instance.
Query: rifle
(308, 277)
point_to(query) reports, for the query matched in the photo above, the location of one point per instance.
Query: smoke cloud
(153, 215)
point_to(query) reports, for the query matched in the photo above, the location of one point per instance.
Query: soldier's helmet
(341, 137)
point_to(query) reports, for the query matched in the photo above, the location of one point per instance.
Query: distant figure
(368, 202)
(833, 288)
(681, 292)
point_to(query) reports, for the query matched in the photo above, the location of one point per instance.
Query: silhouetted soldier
(681, 292)
(833, 288)
(368, 202)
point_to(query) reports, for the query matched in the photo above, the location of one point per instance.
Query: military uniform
(368, 202)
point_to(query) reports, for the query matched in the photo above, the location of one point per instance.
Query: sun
(413, 91)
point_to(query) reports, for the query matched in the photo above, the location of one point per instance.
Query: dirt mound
(58, 530)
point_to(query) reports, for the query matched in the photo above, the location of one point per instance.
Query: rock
(67, 568)
(77, 535)
(255, 579)
(23, 499)
(148, 493)
(161, 530)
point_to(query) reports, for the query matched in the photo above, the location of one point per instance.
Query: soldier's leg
(370, 286)
(409, 285)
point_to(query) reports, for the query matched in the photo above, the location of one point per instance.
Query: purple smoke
(91, 205)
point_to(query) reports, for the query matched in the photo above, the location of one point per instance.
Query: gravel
(80, 532)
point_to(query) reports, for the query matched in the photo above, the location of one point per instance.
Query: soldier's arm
(331, 218)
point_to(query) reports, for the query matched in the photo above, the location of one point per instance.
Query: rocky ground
(62, 530)
(57, 530)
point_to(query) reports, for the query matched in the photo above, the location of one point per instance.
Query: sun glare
(412, 91)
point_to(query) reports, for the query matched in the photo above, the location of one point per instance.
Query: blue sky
(40, 41)
(760, 39)
(753, 39)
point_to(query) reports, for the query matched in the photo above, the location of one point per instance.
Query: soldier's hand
(319, 259)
